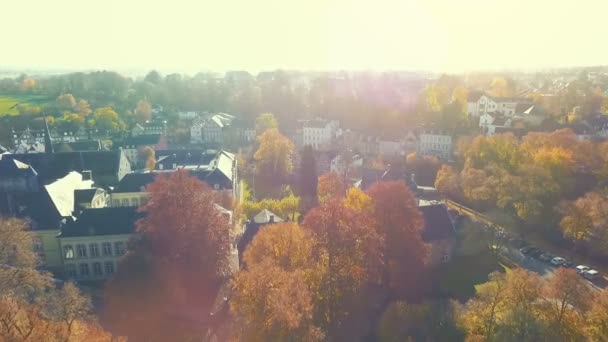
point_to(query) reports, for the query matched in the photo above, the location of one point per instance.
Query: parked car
(568, 263)
(526, 250)
(535, 253)
(558, 261)
(591, 274)
(546, 257)
(580, 269)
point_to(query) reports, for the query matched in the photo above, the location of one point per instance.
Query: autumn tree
(274, 296)
(567, 297)
(358, 200)
(349, 248)
(274, 159)
(107, 119)
(400, 224)
(330, 185)
(143, 111)
(597, 318)
(66, 102)
(83, 108)
(448, 182)
(31, 306)
(265, 122)
(148, 155)
(585, 221)
(176, 262)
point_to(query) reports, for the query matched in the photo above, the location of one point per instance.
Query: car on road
(526, 250)
(580, 269)
(568, 263)
(558, 261)
(535, 253)
(591, 274)
(546, 257)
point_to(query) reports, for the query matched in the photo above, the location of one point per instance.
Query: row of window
(126, 202)
(436, 139)
(93, 250)
(436, 146)
(84, 271)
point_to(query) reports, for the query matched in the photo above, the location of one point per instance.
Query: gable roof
(143, 139)
(61, 192)
(102, 221)
(85, 195)
(264, 217)
(51, 166)
(437, 223)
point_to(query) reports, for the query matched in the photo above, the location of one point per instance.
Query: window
(119, 248)
(107, 248)
(70, 270)
(216, 186)
(125, 202)
(94, 250)
(84, 270)
(37, 244)
(445, 258)
(81, 251)
(68, 252)
(97, 269)
(109, 265)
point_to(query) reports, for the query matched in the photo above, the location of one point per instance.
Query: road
(514, 255)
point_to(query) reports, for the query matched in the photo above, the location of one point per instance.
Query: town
(452, 189)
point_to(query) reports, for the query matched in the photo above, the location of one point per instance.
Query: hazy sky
(193, 35)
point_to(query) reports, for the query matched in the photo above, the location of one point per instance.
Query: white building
(489, 123)
(488, 104)
(436, 144)
(338, 166)
(319, 133)
(211, 128)
(187, 115)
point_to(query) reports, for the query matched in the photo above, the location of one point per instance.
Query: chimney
(270, 218)
(87, 175)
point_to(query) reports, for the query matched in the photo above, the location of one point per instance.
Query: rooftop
(103, 221)
(437, 223)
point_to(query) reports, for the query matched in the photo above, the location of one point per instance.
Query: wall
(50, 252)
(103, 259)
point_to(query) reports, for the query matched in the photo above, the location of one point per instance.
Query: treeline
(534, 181)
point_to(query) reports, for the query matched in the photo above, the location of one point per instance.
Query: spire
(48, 143)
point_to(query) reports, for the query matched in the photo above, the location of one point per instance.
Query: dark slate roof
(85, 145)
(144, 139)
(437, 223)
(136, 182)
(186, 157)
(369, 177)
(51, 166)
(84, 195)
(13, 168)
(598, 121)
(523, 107)
(3, 149)
(102, 221)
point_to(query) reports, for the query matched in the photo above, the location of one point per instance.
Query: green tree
(106, 119)
(265, 122)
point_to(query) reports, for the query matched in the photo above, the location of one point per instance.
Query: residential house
(319, 133)
(435, 143)
(489, 122)
(187, 115)
(438, 232)
(483, 104)
(157, 127)
(217, 169)
(212, 128)
(134, 145)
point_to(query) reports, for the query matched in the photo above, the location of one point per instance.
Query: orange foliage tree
(330, 185)
(176, 262)
(400, 223)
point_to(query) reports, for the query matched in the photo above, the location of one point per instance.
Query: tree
(597, 318)
(400, 224)
(107, 119)
(274, 297)
(143, 111)
(502, 87)
(149, 156)
(567, 296)
(66, 102)
(265, 122)
(308, 179)
(349, 248)
(585, 221)
(358, 200)
(83, 108)
(181, 233)
(274, 159)
(448, 182)
(330, 185)
(71, 122)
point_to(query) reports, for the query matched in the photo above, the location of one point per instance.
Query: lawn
(462, 276)
(8, 102)
(8, 106)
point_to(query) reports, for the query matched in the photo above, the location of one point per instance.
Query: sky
(254, 35)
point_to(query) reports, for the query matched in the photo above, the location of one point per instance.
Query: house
(319, 133)
(217, 169)
(92, 245)
(187, 115)
(89, 198)
(530, 114)
(252, 227)
(481, 104)
(133, 146)
(337, 165)
(488, 122)
(438, 232)
(150, 127)
(435, 143)
(107, 167)
(212, 128)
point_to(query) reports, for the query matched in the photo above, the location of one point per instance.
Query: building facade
(436, 144)
(318, 133)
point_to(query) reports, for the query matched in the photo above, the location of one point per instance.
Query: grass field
(8, 102)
